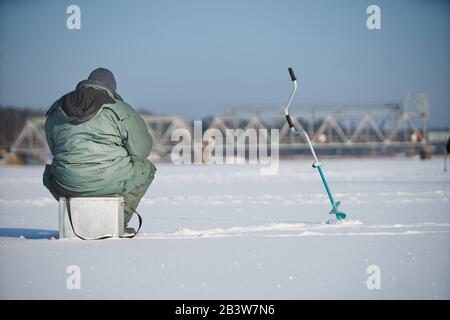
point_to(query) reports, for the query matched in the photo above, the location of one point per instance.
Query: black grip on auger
(289, 120)
(291, 72)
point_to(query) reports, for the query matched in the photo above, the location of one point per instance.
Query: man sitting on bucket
(99, 145)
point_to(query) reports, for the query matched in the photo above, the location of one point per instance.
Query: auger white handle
(286, 110)
(288, 117)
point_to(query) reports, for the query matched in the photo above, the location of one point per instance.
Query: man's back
(99, 144)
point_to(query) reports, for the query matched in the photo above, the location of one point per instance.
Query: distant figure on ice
(99, 144)
(448, 145)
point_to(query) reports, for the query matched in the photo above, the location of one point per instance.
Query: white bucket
(92, 217)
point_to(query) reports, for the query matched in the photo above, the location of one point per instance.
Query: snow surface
(227, 232)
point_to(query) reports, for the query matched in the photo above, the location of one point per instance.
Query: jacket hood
(100, 85)
(85, 101)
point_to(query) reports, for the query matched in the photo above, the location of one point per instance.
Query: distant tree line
(12, 121)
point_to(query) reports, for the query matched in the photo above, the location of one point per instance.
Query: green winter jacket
(95, 139)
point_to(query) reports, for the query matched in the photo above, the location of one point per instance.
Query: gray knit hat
(105, 76)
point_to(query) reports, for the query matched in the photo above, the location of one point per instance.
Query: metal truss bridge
(335, 129)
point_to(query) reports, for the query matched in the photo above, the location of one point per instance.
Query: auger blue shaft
(325, 183)
(335, 210)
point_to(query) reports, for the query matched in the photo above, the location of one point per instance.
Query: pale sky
(196, 57)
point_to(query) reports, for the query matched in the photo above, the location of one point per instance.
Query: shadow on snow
(28, 233)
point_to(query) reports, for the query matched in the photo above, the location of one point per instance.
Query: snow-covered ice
(227, 232)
